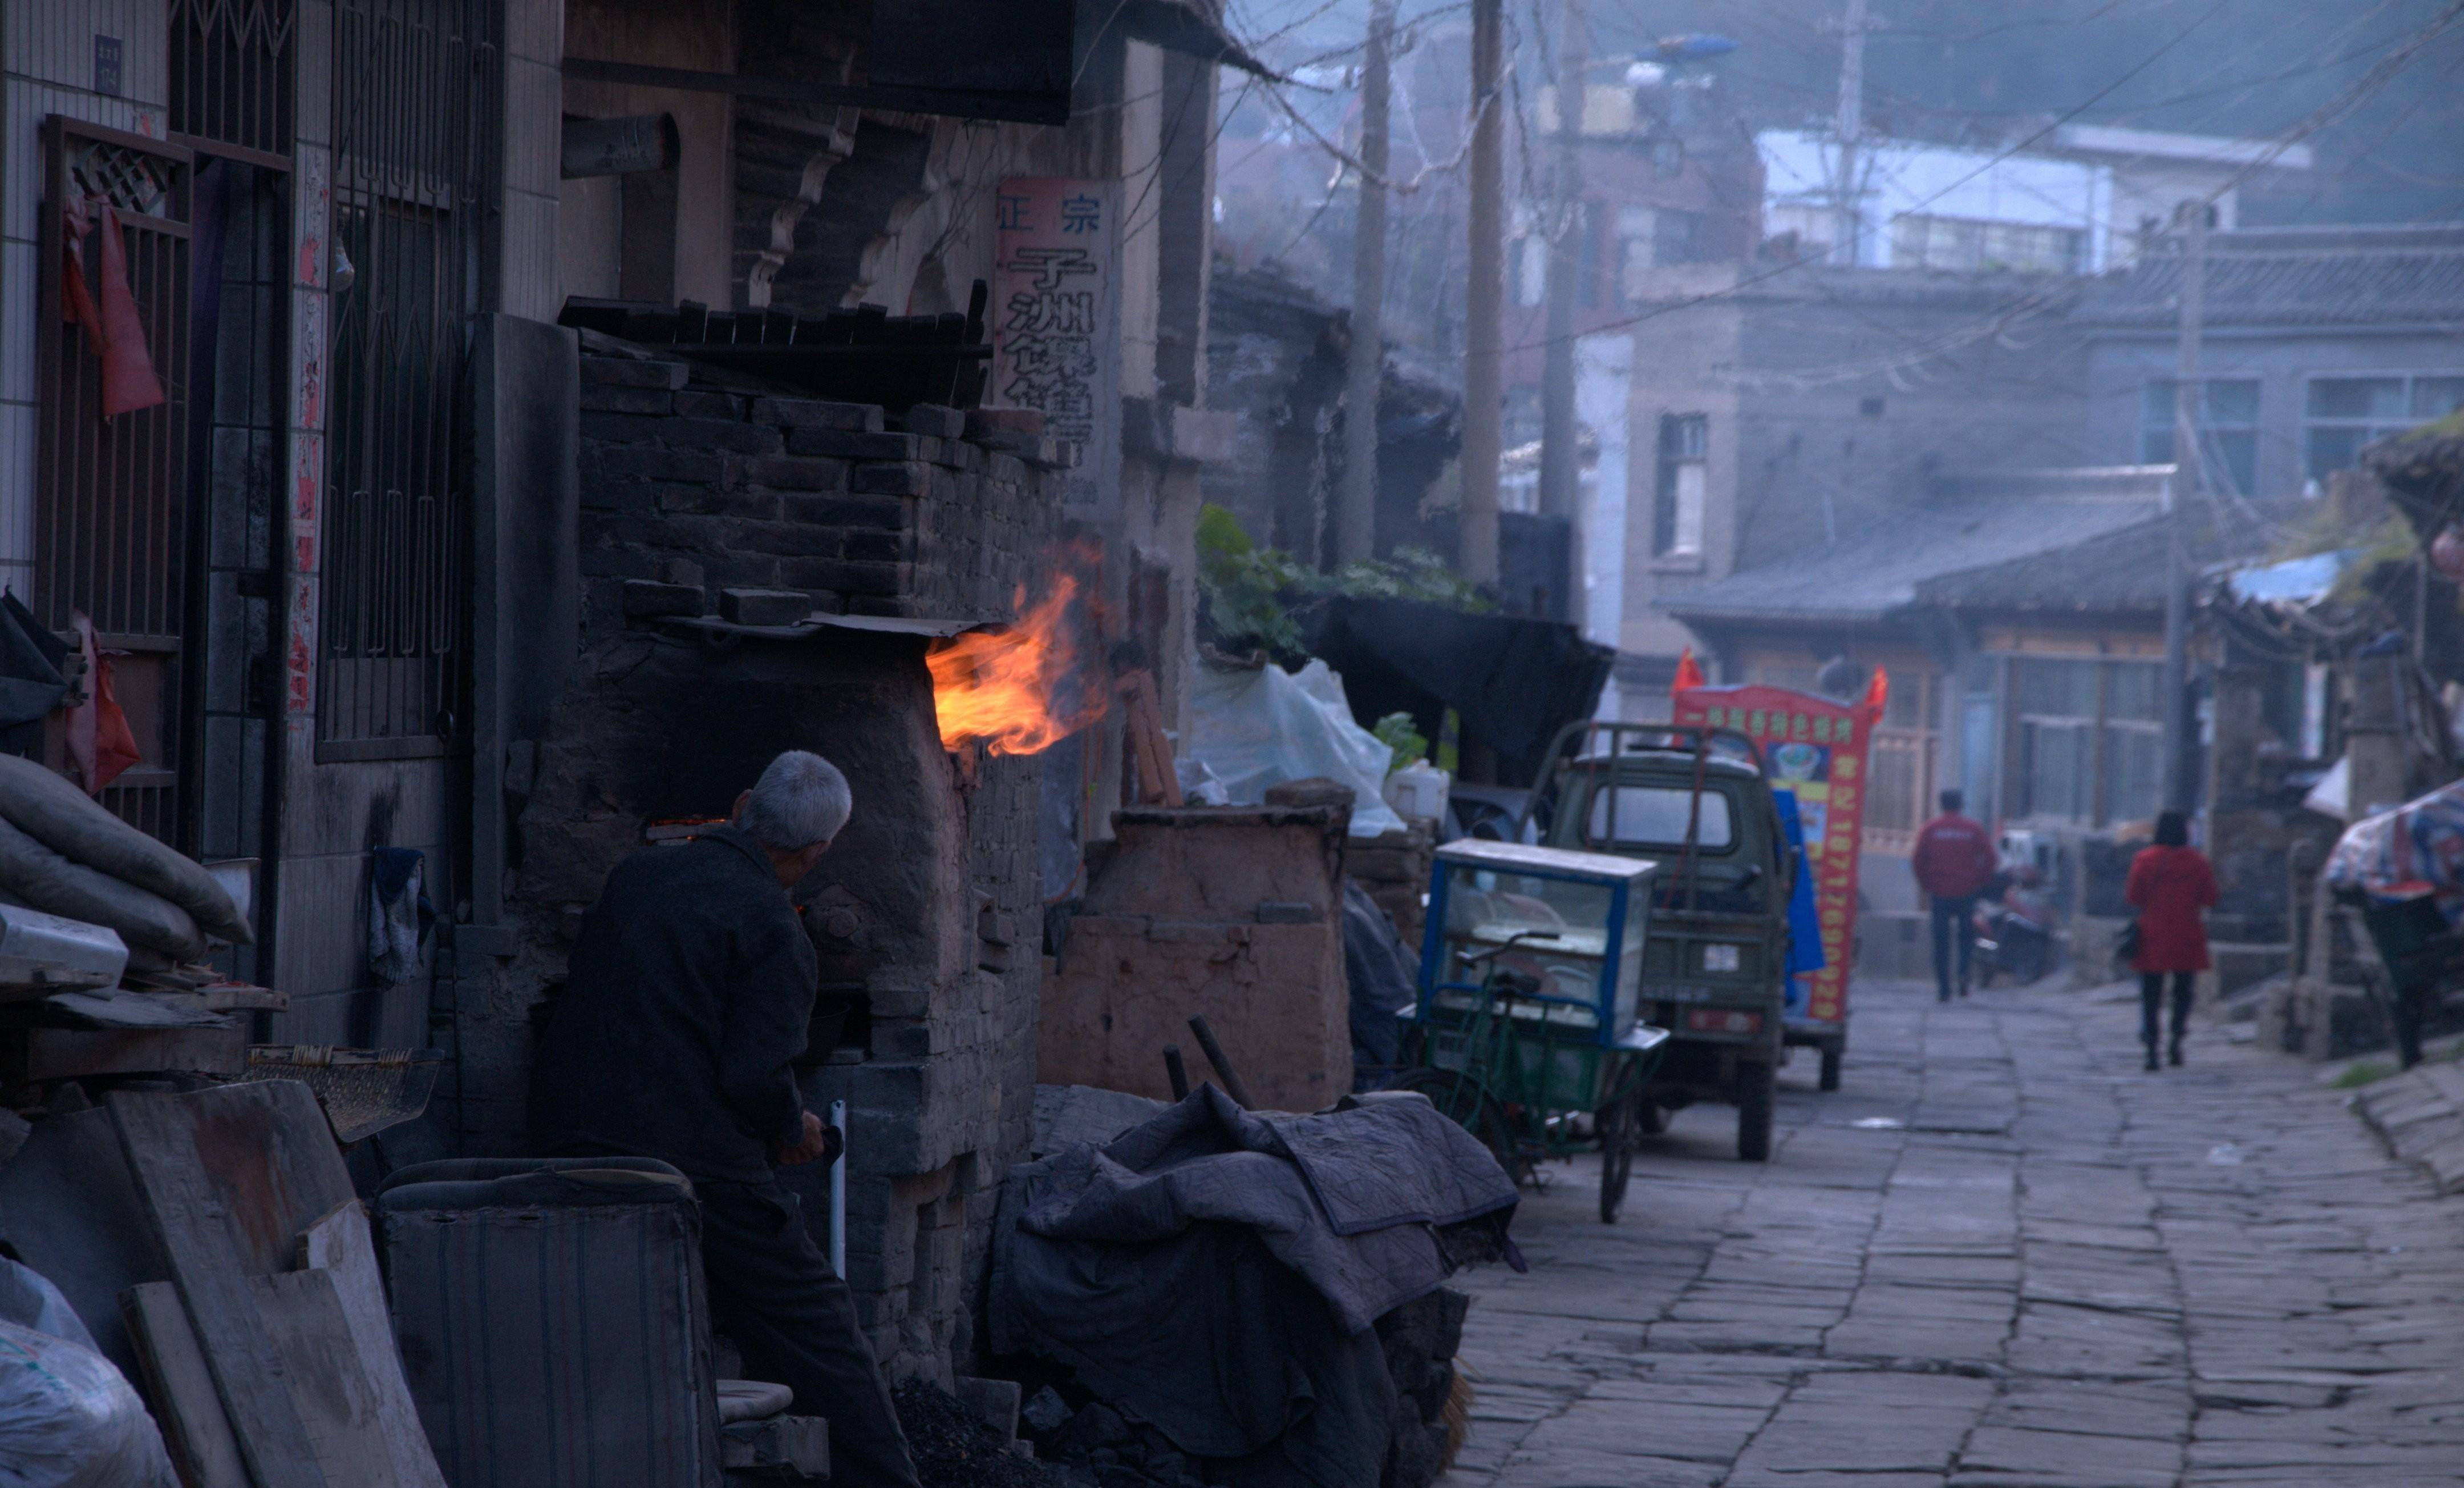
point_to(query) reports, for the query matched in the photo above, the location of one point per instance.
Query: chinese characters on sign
(1816, 749)
(1057, 317)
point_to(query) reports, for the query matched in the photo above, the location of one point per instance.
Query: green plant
(1402, 734)
(2363, 1072)
(1251, 592)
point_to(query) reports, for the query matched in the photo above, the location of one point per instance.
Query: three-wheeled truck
(1715, 961)
(1527, 1031)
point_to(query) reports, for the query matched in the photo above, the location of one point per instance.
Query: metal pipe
(1176, 1071)
(1214, 1055)
(1483, 300)
(838, 1192)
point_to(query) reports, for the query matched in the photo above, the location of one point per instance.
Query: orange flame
(1003, 687)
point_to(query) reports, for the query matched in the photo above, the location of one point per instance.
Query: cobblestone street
(2002, 1256)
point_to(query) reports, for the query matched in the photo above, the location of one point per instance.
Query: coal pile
(1420, 1339)
(1096, 1447)
(954, 1448)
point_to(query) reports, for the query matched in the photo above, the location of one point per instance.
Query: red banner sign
(1815, 748)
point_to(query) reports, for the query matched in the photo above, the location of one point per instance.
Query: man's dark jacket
(690, 989)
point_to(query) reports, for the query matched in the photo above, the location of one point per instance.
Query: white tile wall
(531, 266)
(535, 30)
(534, 127)
(53, 40)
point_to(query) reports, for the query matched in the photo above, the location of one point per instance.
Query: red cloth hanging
(99, 739)
(1689, 672)
(115, 332)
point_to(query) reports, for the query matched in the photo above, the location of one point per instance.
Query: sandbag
(69, 1420)
(44, 805)
(51, 883)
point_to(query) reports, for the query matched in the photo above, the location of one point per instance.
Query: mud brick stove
(764, 573)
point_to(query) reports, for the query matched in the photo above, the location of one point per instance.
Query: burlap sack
(47, 808)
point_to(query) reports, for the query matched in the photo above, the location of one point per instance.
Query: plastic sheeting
(2416, 849)
(68, 1420)
(1804, 924)
(1257, 728)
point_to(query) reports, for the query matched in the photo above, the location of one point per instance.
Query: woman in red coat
(2169, 884)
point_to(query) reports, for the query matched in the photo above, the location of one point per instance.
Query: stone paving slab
(2033, 1267)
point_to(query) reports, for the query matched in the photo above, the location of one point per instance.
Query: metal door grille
(231, 72)
(110, 502)
(416, 110)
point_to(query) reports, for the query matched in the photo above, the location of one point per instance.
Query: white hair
(801, 800)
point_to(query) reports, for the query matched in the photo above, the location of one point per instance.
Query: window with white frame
(1921, 241)
(2228, 429)
(2340, 414)
(2091, 739)
(1677, 517)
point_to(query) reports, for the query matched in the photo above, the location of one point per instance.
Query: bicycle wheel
(1620, 1123)
(1466, 1102)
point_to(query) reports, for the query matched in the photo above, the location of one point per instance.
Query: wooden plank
(68, 1208)
(304, 1322)
(340, 1245)
(37, 1055)
(160, 1136)
(179, 1389)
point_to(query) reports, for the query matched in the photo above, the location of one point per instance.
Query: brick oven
(763, 572)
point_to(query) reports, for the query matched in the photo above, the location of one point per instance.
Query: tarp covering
(1216, 1271)
(1259, 727)
(2417, 849)
(1513, 682)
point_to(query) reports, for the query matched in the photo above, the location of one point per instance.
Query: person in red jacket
(1954, 861)
(2169, 884)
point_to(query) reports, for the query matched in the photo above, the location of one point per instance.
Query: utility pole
(1560, 465)
(1484, 300)
(2191, 217)
(1356, 532)
(1844, 225)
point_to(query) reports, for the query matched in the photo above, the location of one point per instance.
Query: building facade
(1773, 414)
(379, 565)
(2316, 342)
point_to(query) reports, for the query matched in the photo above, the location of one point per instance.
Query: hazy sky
(1991, 68)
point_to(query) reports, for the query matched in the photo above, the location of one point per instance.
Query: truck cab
(1715, 961)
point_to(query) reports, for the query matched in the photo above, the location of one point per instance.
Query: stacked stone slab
(702, 500)
(1394, 866)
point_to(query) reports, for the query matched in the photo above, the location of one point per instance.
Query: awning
(1513, 682)
(1191, 28)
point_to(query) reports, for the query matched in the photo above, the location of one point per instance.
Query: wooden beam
(1019, 108)
(160, 1136)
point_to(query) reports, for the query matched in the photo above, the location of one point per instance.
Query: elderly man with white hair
(691, 988)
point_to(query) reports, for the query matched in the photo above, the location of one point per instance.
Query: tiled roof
(2387, 276)
(1890, 564)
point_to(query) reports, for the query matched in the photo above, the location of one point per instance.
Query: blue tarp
(1804, 927)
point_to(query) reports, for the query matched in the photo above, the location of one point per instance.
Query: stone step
(2420, 1116)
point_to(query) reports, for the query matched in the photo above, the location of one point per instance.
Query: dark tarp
(1216, 1271)
(32, 683)
(1383, 976)
(1513, 682)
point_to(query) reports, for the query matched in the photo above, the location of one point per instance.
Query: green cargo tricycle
(1525, 1032)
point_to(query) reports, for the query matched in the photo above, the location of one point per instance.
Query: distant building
(2318, 340)
(2079, 200)
(2020, 619)
(1772, 414)
(1668, 177)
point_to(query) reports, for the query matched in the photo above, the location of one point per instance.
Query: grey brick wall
(928, 910)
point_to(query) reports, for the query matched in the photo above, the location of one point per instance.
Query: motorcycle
(2016, 929)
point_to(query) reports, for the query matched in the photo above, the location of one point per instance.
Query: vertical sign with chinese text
(1057, 322)
(1816, 749)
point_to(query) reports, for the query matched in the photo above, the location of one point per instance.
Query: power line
(1997, 159)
